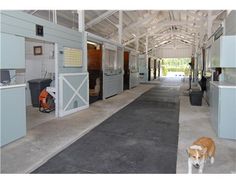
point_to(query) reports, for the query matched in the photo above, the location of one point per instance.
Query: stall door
(134, 71)
(155, 68)
(143, 68)
(120, 68)
(152, 69)
(149, 69)
(111, 73)
(126, 71)
(73, 81)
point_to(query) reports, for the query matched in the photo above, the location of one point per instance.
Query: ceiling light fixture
(92, 43)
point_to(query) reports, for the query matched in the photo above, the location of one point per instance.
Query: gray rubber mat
(140, 138)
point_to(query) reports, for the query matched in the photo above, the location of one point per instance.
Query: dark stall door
(126, 70)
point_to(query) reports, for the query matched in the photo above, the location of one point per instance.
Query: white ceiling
(172, 28)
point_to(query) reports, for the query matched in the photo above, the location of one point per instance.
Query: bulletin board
(72, 57)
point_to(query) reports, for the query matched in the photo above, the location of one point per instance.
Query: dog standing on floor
(199, 152)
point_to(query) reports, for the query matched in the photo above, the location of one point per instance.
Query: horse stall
(55, 52)
(126, 70)
(131, 69)
(94, 55)
(152, 68)
(143, 68)
(112, 66)
(155, 69)
(108, 73)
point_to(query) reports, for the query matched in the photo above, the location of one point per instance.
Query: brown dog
(200, 150)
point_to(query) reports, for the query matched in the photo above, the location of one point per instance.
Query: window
(110, 60)
(110, 63)
(133, 63)
(72, 57)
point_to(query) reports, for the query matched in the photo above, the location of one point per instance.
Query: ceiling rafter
(133, 25)
(75, 20)
(173, 41)
(169, 42)
(109, 20)
(160, 26)
(172, 36)
(100, 18)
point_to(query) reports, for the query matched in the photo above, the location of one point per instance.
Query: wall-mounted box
(224, 52)
(12, 51)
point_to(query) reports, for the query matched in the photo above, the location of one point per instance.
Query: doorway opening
(95, 71)
(39, 76)
(175, 67)
(126, 71)
(152, 69)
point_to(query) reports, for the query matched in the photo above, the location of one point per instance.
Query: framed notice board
(72, 57)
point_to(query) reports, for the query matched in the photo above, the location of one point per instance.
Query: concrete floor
(34, 117)
(47, 139)
(194, 123)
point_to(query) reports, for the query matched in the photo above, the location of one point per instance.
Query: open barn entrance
(175, 67)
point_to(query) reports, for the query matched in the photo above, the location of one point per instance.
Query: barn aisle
(140, 138)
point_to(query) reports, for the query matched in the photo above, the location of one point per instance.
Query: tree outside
(175, 66)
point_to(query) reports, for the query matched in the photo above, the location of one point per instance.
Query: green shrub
(187, 71)
(164, 71)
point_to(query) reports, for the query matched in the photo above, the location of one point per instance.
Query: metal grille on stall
(112, 70)
(134, 71)
(143, 68)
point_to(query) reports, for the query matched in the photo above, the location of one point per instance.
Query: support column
(137, 44)
(201, 34)
(81, 25)
(198, 50)
(120, 28)
(146, 46)
(209, 23)
(203, 61)
(81, 28)
(146, 50)
(54, 16)
(54, 20)
(195, 66)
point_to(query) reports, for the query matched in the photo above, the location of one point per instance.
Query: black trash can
(36, 86)
(196, 98)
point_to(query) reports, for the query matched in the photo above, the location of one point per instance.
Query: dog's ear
(203, 152)
(187, 150)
